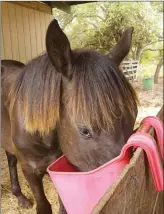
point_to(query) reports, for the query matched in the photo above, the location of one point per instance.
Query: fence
(130, 69)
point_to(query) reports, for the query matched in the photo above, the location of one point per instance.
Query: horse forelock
(99, 94)
(37, 91)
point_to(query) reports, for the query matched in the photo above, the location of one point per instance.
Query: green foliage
(149, 71)
(158, 6)
(152, 53)
(99, 25)
(149, 56)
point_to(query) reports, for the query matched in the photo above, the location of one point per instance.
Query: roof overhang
(64, 5)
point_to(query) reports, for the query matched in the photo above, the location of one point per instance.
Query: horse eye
(84, 132)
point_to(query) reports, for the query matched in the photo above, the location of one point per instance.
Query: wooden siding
(23, 32)
(34, 5)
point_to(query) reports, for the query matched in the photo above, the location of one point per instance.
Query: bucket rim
(117, 160)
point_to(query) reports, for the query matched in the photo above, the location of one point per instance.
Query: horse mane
(98, 94)
(37, 90)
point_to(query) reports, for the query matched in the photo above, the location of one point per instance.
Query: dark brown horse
(77, 101)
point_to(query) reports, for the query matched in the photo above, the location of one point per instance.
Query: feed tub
(134, 191)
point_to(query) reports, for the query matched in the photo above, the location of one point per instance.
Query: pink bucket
(81, 191)
(77, 190)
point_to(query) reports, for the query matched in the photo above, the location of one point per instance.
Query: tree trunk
(158, 68)
(138, 52)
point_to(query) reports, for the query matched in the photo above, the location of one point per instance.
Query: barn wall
(23, 32)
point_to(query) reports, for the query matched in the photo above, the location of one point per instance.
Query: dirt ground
(150, 104)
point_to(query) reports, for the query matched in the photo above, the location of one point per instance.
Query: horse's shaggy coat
(96, 91)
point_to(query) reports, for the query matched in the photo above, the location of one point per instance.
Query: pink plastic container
(81, 191)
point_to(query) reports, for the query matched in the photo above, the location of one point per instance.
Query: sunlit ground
(150, 101)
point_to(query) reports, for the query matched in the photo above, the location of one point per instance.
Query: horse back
(9, 71)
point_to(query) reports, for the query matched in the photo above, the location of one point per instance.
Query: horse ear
(58, 49)
(122, 48)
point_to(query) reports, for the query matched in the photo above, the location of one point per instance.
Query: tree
(99, 25)
(158, 68)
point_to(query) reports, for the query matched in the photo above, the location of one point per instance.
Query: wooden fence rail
(130, 69)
